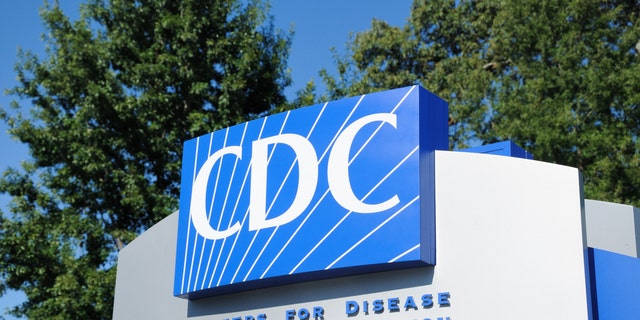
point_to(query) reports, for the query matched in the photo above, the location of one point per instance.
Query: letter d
(307, 180)
(352, 308)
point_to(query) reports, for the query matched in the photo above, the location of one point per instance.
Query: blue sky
(318, 25)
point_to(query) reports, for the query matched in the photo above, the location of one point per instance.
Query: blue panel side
(617, 285)
(504, 148)
(592, 296)
(434, 131)
(434, 113)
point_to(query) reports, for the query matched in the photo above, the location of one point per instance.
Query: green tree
(560, 78)
(117, 94)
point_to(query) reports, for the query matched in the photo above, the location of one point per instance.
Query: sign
(329, 190)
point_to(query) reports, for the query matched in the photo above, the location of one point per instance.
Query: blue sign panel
(614, 285)
(334, 189)
(504, 148)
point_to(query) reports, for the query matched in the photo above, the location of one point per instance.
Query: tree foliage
(560, 78)
(116, 95)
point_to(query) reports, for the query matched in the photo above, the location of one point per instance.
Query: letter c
(199, 197)
(338, 167)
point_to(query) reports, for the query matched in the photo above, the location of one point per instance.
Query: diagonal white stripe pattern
(372, 232)
(349, 213)
(255, 235)
(186, 251)
(264, 247)
(215, 191)
(405, 253)
(293, 235)
(224, 206)
(246, 214)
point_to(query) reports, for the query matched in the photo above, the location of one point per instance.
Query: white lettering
(338, 167)
(199, 196)
(337, 176)
(307, 180)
